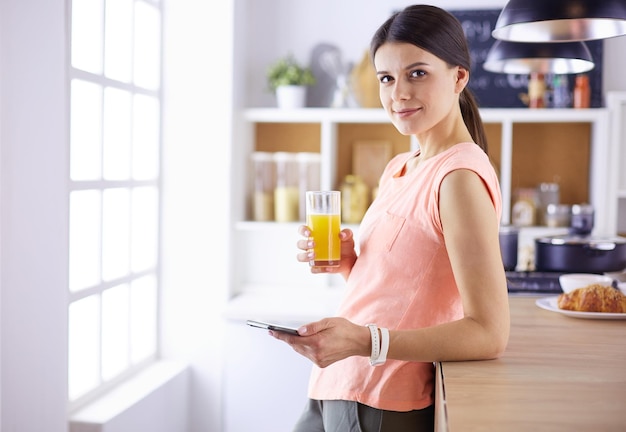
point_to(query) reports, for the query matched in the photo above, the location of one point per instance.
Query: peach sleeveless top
(402, 279)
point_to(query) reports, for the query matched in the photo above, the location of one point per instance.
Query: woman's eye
(385, 79)
(417, 73)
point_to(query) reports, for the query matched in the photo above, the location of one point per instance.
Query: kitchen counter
(558, 374)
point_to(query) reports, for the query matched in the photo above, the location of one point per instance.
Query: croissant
(593, 298)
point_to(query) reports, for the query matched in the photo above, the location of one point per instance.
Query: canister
(309, 177)
(548, 193)
(508, 236)
(354, 199)
(557, 215)
(582, 219)
(524, 212)
(287, 190)
(263, 189)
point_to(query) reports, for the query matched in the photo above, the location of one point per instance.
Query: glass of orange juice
(323, 217)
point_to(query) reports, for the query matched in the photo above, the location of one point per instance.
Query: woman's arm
(470, 226)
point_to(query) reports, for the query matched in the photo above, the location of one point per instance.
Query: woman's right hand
(348, 254)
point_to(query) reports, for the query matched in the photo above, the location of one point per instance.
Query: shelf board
(378, 115)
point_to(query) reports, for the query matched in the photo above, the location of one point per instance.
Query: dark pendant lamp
(525, 58)
(561, 20)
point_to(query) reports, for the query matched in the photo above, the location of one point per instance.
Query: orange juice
(325, 233)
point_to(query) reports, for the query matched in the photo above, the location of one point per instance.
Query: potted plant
(289, 80)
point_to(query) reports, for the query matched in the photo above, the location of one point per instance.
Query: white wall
(348, 24)
(196, 173)
(33, 197)
(33, 240)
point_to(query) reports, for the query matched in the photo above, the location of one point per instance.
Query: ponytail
(471, 117)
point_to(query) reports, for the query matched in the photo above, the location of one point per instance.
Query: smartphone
(274, 327)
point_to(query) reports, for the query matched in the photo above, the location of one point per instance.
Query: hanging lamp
(525, 58)
(560, 20)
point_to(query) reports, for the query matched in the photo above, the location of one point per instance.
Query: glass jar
(557, 215)
(309, 177)
(524, 210)
(582, 219)
(286, 192)
(263, 188)
(354, 199)
(548, 193)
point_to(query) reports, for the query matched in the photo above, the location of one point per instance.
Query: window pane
(115, 233)
(118, 54)
(84, 346)
(84, 239)
(85, 130)
(147, 71)
(114, 331)
(145, 229)
(117, 130)
(87, 35)
(143, 329)
(146, 128)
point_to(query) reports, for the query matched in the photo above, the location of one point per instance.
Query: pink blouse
(402, 279)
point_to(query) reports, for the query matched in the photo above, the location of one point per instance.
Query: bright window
(115, 142)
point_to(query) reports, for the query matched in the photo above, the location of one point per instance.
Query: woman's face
(417, 89)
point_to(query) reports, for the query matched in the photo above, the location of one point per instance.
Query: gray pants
(349, 416)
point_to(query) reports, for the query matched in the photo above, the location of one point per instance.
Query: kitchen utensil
(508, 237)
(580, 254)
(581, 221)
(572, 281)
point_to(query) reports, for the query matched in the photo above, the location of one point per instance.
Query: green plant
(287, 71)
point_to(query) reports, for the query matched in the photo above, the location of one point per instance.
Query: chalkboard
(498, 90)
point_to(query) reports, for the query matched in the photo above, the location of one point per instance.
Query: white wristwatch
(380, 345)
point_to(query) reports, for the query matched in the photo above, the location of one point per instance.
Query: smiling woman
(408, 306)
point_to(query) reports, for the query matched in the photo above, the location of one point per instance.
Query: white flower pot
(291, 96)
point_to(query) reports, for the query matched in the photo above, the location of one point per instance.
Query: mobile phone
(273, 327)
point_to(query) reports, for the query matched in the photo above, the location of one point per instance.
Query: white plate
(550, 303)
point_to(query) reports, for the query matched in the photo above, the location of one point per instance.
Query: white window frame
(102, 185)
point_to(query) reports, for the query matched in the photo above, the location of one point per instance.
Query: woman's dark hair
(440, 33)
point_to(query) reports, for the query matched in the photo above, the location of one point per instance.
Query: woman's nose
(400, 91)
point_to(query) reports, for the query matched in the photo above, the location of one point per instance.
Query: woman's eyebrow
(411, 66)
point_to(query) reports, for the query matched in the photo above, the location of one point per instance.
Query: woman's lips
(406, 112)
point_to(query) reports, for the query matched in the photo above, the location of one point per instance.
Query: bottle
(536, 91)
(561, 97)
(582, 92)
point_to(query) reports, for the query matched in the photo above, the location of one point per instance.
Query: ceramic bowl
(571, 281)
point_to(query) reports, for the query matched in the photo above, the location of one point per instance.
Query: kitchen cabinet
(527, 146)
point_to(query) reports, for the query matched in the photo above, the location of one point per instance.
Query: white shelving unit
(616, 102)
(253, 275)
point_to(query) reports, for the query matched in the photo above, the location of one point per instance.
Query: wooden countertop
(558, 374)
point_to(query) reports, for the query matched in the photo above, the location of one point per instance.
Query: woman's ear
(462, 78)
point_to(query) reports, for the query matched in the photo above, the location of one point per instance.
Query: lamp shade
(524, 58)
(560, 20)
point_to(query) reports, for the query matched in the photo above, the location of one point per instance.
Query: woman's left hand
(329, 340)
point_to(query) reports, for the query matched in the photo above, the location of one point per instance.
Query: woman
(429, 274)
